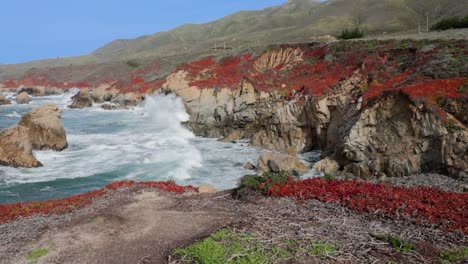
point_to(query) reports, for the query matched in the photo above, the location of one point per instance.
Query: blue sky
(37, 29)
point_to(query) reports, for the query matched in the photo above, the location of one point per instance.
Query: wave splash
(165, 114)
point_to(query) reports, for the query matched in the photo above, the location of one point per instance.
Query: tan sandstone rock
(23, 98)
(206, 188)
(326, 165)
(16, 148)
(279, 162)
(46, 130)
(3, 100)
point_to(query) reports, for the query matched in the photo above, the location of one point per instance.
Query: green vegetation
(451, 23)
(451, 126)
(462, 89)
(263, 183)
(227, 246)
(457, 256)
(133, 64)
(328, 176)
(351, 34)
(36, 254)
(322, 249)
(397, 243)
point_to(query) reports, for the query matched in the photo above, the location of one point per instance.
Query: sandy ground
(146, 225)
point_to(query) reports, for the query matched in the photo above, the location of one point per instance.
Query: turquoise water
(146, 143)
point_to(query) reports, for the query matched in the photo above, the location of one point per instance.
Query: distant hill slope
(294, 21)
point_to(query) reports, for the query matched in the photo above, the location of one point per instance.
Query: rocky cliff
(375, 108)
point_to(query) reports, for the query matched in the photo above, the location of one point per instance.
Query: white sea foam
(13, 115)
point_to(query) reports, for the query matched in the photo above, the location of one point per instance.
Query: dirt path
(145, 230)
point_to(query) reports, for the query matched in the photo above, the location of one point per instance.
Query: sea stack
(45, 128)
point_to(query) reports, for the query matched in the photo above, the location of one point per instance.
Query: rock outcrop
(326, 165)
(3, 100)
(279, 162)
(81, 100)
(397, 137)
(16, 148)
(370, 115)
(23, 98)
(46, 130)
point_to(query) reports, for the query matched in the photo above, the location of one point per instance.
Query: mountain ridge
(294, 21)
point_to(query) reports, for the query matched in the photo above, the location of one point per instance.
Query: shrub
(397, 243)
(264, 183)
(451, 23)
(133, 64)
(351, 34)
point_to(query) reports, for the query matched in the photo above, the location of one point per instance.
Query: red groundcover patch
(447, 209)
(9, 212)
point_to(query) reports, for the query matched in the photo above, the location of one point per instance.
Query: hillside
(293, 22)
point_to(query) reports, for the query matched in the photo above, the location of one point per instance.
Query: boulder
(279, 162)
(16, 148)
(206, 188)
(46, 130)
(108, 106)
(80, 100)
(326, 165)
(23, 98)
(3, 100)
(249, 166)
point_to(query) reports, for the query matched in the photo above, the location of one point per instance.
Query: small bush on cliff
(451, 23)
(133, 64)
(397, 243)
(351, 34)
(264, 183)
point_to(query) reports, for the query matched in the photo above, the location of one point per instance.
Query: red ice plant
(438, 207)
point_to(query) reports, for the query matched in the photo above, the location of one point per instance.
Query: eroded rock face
(16, 148)
(326, 165)
(23, 98)
(46, 130)
(81, 100)
(279, 162)
(397, 137)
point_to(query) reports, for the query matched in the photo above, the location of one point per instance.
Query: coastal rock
(249, 166)
(16, 148)
(109, 106)
(278, 162)
(81, 100)
(46, 130)
(206, 188)
(326, 165)
(3, 100)
(23, 98)
(40, 90)
(127, 99)
(396, 137)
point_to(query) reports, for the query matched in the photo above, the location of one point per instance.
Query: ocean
(145, 143)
